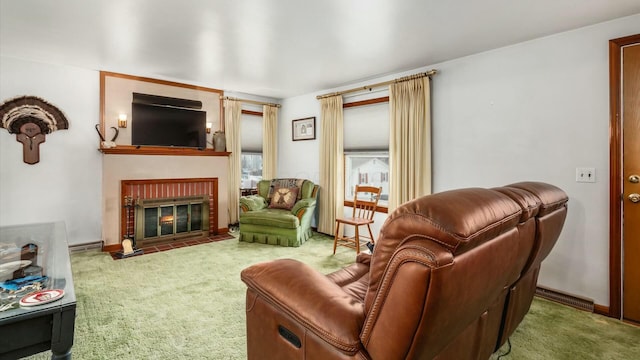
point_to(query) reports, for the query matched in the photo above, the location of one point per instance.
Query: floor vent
(566, 299)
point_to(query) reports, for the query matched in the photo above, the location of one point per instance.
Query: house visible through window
(251, 170)
(367, 168)
(251, 156)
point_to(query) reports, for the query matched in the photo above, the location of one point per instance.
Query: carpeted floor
(188, 303)
(554, 331)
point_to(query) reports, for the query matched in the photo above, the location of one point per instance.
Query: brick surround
(164, 188)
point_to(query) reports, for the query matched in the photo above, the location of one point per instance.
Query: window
(251, 170)
(370, 168)
(366, 148)
(251, 156)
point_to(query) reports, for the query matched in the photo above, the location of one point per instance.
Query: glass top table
(35, 270)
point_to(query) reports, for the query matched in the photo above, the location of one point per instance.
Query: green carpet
(188, 303)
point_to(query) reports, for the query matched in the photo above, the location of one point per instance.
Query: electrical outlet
(587, 175)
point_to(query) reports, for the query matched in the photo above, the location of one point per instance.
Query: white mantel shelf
(160, 150)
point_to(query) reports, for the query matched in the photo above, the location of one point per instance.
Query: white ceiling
(280, 48)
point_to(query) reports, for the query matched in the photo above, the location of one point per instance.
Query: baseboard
(631, 322)
(565, 299)
(601, 310)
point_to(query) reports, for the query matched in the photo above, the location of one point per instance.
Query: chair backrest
(365, 201)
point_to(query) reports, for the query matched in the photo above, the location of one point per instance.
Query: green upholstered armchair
(269, 218)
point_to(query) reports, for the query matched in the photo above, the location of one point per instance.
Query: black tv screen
(167, 126)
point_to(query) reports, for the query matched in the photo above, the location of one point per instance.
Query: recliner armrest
(310, 298)
(363, 258)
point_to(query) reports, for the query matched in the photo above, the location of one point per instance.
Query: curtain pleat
(269, 142)
(232, 113)
(409, 141)
(331, 164)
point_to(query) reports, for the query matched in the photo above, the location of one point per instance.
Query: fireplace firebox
(167, 219)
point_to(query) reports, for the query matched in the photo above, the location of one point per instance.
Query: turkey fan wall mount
(31, 119)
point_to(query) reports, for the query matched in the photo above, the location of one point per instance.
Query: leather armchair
(436, 286)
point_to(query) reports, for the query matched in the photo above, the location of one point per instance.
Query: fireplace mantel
(160, 150)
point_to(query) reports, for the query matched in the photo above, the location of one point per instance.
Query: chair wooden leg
(357, 238)
(335, 238)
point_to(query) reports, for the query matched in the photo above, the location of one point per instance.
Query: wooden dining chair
(365, 202)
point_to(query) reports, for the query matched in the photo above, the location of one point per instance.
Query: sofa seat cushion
(271, 217)
(353, 279)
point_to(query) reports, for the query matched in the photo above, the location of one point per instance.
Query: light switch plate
(587, 175)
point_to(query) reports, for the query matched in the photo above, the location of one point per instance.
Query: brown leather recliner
(436, 286)
(549, 217)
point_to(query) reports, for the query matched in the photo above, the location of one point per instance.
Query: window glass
(251, 170)
(367, 168)
(251, 156)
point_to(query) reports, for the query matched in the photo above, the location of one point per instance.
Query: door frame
(615, 175)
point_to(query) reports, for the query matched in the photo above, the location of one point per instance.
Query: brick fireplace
(181, 197)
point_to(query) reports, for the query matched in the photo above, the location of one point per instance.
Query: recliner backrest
(550, 219)
(425, 283)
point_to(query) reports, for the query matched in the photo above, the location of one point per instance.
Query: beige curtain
(232, 112)
(269, 141)
(331, 164)
(409, 140)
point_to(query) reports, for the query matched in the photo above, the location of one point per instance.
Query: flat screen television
(167, 126)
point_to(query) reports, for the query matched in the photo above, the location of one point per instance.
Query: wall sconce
(122, 120)
(209, 128)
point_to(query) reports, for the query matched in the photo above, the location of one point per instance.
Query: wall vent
(565, 299)
(85, 246)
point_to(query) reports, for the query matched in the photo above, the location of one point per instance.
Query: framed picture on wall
(303, 129)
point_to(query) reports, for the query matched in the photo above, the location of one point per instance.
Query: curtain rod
(250, 101)
(369, 87)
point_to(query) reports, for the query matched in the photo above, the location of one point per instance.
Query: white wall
(298, 159)
(532, 111)
(536, 111)
(65, 185)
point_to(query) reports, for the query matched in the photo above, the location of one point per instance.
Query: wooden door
(631, 182)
